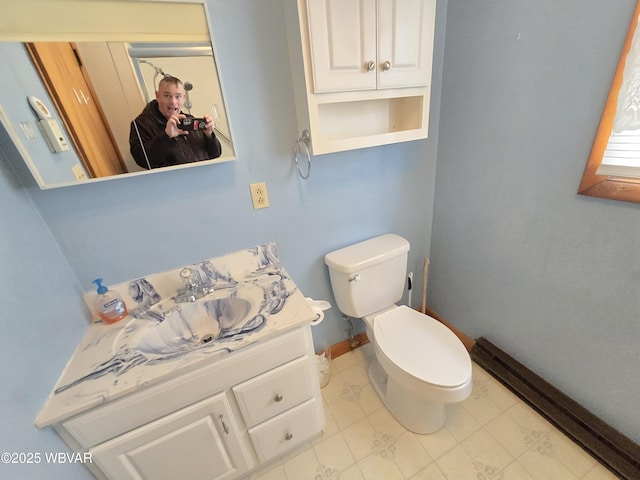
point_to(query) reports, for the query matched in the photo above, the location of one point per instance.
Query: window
(613, 168)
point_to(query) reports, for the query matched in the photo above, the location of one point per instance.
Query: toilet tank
(368, 276)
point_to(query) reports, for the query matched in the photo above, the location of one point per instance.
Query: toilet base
(415, 414)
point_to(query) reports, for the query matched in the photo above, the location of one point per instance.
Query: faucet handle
(193, 290)
(190, 293)
(188, 277)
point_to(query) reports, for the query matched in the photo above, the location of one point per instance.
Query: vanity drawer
(274, 437)
(275, 391)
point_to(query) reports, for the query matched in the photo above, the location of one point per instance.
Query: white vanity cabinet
(361, 70)
(219, 421)
(370, 44)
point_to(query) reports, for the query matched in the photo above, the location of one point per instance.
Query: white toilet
(419, 365)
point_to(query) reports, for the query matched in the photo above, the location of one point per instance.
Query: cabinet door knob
(371, 66)
(278, 397)
(386, 65)
(288, 436)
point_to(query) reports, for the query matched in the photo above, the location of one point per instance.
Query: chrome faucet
(193, 290)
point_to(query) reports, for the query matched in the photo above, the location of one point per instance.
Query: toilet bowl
(420, 365)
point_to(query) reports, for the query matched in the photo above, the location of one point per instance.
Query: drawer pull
(224, 425)
(288, 436)
(278, 397)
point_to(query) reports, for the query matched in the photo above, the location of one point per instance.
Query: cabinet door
(342, 36)
(405, 42)
(198, 442)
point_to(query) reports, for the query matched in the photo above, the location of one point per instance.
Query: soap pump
(109, 304)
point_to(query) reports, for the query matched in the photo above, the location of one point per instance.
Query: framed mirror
(116, 52)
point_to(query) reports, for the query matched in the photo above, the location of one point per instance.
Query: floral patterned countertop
(253, 298)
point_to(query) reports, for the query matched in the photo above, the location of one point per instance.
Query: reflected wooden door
(60, 67)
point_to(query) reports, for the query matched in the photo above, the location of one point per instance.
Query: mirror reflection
(105, 85)
(164, 135)
(93, 85)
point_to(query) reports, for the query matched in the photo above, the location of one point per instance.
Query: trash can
(323, 362)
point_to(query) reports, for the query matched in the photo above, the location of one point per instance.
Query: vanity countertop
(110, 362)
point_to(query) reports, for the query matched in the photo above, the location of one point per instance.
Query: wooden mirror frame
(614, 188)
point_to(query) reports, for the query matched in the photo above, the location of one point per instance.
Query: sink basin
(173, 328)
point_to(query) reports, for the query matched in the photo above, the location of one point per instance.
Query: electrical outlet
(78, 172)
(259, 195)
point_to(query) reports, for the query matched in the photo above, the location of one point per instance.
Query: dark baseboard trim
(611, 448)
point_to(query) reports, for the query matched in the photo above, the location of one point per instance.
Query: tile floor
(491, 435)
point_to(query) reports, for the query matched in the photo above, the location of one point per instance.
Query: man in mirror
(156, 139)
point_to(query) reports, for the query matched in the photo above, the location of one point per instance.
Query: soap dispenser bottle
(109, 304)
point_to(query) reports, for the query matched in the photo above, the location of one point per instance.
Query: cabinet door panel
(405, 40)
(197, 442)
(342, 37)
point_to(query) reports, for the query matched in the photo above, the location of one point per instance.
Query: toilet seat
(422, 347)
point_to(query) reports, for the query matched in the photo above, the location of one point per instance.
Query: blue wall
(55, 242)
(516, 256)
(43, 319)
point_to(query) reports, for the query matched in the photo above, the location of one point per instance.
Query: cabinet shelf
(360, 120)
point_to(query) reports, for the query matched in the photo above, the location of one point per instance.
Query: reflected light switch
(28, 131)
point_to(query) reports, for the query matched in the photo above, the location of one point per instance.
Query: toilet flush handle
(355, 278)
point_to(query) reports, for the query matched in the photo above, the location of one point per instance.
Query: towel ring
(304, 141)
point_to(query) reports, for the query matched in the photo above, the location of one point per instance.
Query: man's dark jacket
(162, 151)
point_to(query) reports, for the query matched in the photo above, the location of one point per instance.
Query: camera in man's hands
(190, 124)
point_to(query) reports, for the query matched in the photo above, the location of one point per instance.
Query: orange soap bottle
(109, 304)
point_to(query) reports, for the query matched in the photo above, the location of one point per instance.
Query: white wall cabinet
(370, 44)
(361, 70)
(217, 422)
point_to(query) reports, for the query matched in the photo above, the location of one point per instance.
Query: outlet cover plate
(259, 195)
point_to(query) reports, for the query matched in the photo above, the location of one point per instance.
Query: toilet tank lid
(366, 253)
